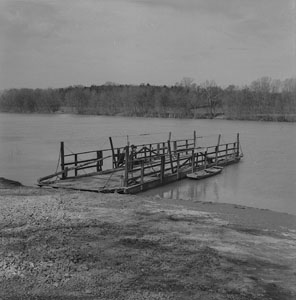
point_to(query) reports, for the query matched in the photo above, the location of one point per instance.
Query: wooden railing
(177, 162)
(94, 161)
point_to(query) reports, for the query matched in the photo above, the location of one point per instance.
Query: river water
(266, 177)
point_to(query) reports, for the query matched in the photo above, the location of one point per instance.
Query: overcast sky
(57, 43)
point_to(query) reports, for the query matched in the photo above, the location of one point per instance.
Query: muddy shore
(69, 245)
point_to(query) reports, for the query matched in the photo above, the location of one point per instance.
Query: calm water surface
(266, 178)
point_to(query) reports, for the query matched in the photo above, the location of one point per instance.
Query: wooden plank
(238, 145)
(162, 169)
(114, 162)
(178, 165)
(76, 163)
(126, 166)
(142, 174)
(170, 156)
(192, 161)
(217, 148)
(62, 155)
(194, 139)
(86, 152)
(100, 160)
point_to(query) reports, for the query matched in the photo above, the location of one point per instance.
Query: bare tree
(187, 82)
(212, 93)
(262, 85)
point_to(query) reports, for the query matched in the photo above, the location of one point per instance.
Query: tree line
(263, 99)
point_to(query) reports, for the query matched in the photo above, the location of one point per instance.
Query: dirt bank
(66, 245)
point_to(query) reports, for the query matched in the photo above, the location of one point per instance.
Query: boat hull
(208, 172)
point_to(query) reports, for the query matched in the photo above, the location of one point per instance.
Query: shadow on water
(220, 188)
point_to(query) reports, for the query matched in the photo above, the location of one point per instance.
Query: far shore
(78, 245)
(290, 118)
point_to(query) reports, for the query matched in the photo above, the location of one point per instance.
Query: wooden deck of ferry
(135, 168)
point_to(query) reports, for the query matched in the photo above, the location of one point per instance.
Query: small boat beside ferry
(205, 173)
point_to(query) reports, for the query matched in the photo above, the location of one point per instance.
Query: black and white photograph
(147, 149)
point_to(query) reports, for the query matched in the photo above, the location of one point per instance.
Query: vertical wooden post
(131, 159)
(178, 165)
(186, 146)
(62, 154)
(158, 147)
(226, 152)
(100, 161)
(237, 145)
(171, 158)
(170, 136)
(192, 162)
(217, 149)
(175, 146)
(76, 160)
(142, 174)
(162, 168)
(126, 166)
(114, 163)
(163, 148)
(118, 156)
(194, 139)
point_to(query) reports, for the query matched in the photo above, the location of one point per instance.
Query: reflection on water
(266, 177)
(215, 189)
(192, 190)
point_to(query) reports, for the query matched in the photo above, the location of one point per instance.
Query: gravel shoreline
(70, 245)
